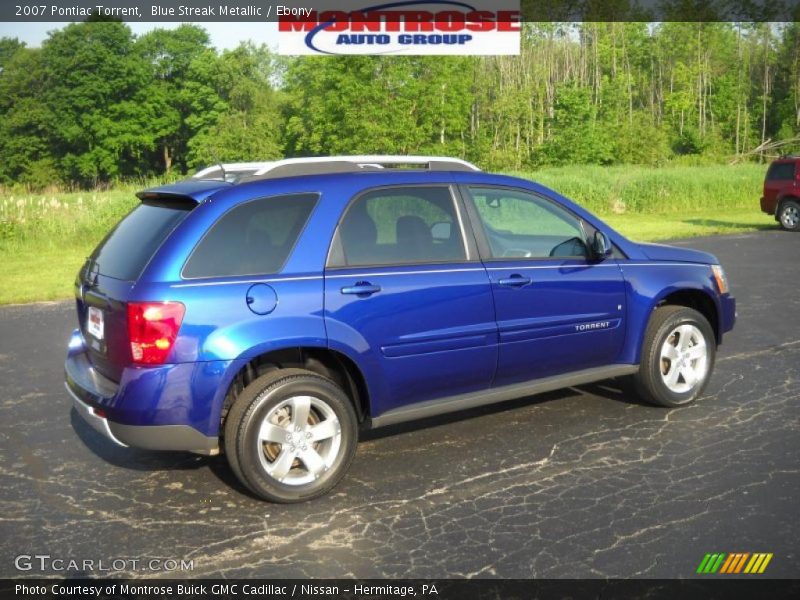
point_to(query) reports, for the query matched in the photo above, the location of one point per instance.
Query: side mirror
(601, 246)
(441, 231)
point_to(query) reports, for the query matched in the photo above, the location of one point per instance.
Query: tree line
(96, 103)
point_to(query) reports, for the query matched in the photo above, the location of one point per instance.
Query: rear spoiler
(190, 191)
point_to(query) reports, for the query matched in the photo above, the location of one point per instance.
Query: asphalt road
(580, 483)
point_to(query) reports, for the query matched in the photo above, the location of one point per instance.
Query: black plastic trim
(165, 437)
(432, 408)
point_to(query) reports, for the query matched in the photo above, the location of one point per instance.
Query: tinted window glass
(128, 248)
(402, 226)
(522, 225)
(781, 171)
(254, 238)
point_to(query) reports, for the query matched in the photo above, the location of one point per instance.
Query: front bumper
(728, 313)
(94, 396)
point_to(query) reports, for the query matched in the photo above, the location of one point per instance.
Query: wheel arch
(696, 298)
(332, 364)
(782, 200)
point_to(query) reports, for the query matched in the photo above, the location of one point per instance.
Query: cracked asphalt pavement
(584, 482)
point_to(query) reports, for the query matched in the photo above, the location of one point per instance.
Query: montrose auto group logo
(405, 27)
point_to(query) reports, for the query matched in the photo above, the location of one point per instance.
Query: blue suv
(271, 311)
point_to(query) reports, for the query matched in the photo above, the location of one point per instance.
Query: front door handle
(362, 288)
(515, 280)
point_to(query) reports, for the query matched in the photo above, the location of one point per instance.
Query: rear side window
(126, 250)
(781, 172)
(397, 226)
(254, 238)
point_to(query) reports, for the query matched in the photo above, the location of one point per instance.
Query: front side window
(524, 225)
(396, 226)
(254, 238)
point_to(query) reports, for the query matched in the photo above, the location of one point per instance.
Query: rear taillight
(152, 329)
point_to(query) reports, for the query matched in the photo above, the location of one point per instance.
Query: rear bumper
(98, 423)
(768, 206)
(147, 437)
(97, 399)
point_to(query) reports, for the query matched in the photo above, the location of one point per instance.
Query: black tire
(650, 382)
(789, 215)
(273, 391)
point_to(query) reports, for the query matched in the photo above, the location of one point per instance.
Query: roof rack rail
(293, 167)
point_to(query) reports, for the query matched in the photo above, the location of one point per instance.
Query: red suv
(782, 192)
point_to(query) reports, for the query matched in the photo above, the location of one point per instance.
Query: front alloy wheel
(291, 435)
(677, 357)
(684, 358)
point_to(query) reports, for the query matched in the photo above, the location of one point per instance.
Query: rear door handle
(514, 280)
(362, 288)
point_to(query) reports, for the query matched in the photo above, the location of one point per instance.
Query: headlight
(719, 277)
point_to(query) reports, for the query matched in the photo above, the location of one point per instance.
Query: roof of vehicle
(211, 179)
(295, 167)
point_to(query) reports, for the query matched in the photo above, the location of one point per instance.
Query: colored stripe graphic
(764, 564)
(718, 564)
(731, 564)
(728, 563)
(711, 563)
(740, 564)
(755, 563)
(703, 563)
(757, 558)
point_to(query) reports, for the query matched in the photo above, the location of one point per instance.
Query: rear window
(126, 250)
(781, 172)
(254, 238)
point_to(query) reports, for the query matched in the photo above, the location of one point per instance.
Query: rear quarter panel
(218, 326)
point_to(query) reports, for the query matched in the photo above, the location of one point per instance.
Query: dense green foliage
(96, 103)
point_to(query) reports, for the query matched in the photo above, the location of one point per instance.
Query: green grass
(672, 226)
(47, 274)
(44, 238)
(635, 189)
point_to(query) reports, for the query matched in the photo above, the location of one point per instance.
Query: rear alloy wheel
(789, 215)
(677, 357)
(291, 435)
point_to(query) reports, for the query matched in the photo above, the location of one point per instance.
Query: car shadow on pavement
(133, 458)
(732, 225)
(614, 389)
(153, 460)
(611, 389)
(462, 415)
